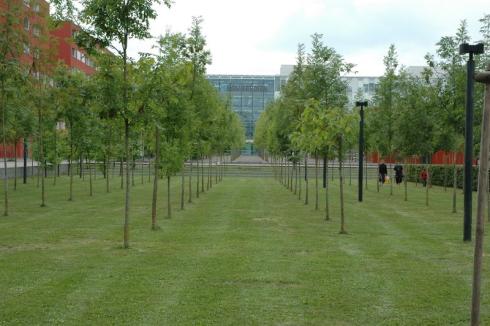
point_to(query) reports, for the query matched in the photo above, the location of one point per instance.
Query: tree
(119, 22)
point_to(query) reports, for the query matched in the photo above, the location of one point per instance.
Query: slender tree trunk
(299, 178)
(182, 190)
(133, 165)
(316, 182)
(41, 158)
(295, 176)
(169, 207)
(427, 185)
(70, 167)
(306, 180)
(342, 216)
(15, 166)
(121, 172)
(107, 182)
(4, 136)
(197, 179)
(455, 182)
(32, 160)
(126, 201)
(149, 169)
(481, 201)
(202, 174)
(190, 182)
(445, 171)
(155, 181)
(350, 170)
(405, 183)
(366, 174)
(90, 176)
(327, 206)
(391, 179)
(208, 183)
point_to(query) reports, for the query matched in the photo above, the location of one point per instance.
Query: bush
(439, 174)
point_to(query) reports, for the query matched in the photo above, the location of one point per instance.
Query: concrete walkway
(249, 159)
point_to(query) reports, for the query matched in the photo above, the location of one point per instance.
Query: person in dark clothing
(398, 173)
(383, 171)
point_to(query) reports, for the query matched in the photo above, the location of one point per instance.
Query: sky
(257, 36)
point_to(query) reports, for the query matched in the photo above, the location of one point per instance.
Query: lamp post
(362, 105)
(468, 147)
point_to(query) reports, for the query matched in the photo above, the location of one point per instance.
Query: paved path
(249, 159)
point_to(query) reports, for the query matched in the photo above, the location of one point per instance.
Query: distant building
(248, 95)
(56, 44)
(68, 52)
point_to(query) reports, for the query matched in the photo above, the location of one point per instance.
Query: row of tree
(160, 106)
(409, 115)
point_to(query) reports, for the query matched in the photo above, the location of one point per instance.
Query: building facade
(248, 95)
(41, 46)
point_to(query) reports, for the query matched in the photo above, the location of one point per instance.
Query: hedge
(437, 172)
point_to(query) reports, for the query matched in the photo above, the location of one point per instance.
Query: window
(36, 31)
(26, 23)
(36, 7)
(36, 53)
(27, 50)
(74, 53)
(27, 3)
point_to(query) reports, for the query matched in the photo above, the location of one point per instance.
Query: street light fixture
(468, 147)
(362, 105)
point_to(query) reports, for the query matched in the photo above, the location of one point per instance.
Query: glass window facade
(249, 95)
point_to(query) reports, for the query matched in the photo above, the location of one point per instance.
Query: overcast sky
(257, 36)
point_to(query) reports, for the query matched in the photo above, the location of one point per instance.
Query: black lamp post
(468, 146)
(361, 104)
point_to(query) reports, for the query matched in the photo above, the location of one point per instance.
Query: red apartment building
(57, 43)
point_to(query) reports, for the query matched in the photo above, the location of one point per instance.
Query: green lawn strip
(246, 252)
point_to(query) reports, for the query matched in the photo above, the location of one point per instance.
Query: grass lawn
(245, 253)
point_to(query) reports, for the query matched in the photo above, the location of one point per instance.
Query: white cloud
(257, 36)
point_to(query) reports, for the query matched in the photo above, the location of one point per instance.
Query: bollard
(483, 77)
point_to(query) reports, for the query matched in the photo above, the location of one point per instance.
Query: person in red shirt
(423, 177)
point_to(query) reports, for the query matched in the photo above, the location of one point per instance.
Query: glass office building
(249, 95)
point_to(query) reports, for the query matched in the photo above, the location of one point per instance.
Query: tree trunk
(15, 166)
(149, 169)
(295, 176)
(391, 179)
(90, 176)
(298, 178)
(197, 181)
(41, 158)
(190, 182)
(342, 217)
(306, 180)
(70, 167)
(327, 206)
(445, 171)
(202, 174)
(455, 182)
(427, 185)
(481, 201)
(32, 160)
(208, 184)
(169, 207)
(107, 184)
(405, 183)
(366, 174)
(155, 181)
(182, 190)
(4, 136)
(121, 173)
(316, 182)
(126, 201)
(133, 165)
